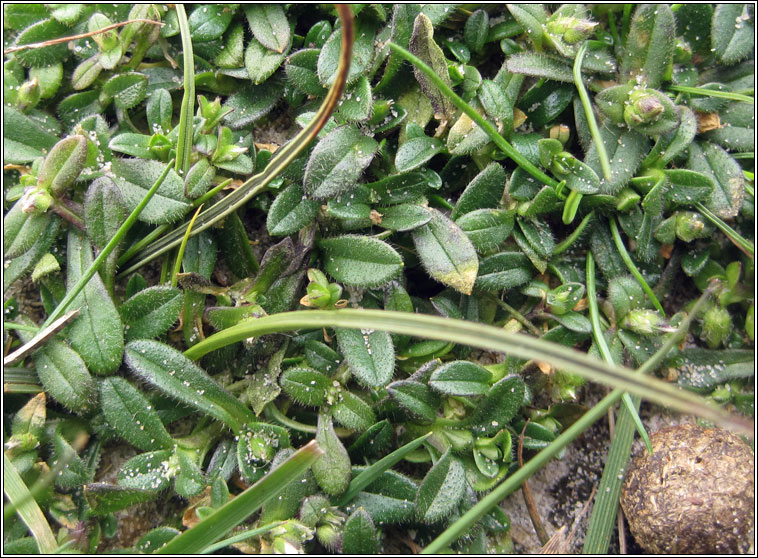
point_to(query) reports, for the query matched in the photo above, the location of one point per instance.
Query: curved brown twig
(283, 156)
(80, 36)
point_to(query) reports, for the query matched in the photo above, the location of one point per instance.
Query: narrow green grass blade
(597, 334)
(739, 241)
(633, 268)
(182, 248)
(597, 412)
(184, 142)
(241, 537)
(712, 93)
(234, 512)
(283, 156)
(605, 508)
(481, 336)
(373, 472)
(120, 233)
(496, 138)
(27, 508)
(606, 505)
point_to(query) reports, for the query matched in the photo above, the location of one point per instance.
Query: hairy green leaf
(446, 253)
(359, 260)
(97, 334)
(369, 354)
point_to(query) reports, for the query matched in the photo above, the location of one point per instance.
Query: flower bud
(689, 226)
(682, 51)
(717, 325)
(328, 535)
(19, 443)
(36, 201)
(63, 164)
(643, 107)
(562, 299)
(571, 30)
(210, 111)
(566, 384)
(561, 132)
(642, 321)
(28, 94)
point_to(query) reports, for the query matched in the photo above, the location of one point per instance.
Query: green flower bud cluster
(571, 30)
(321, 293)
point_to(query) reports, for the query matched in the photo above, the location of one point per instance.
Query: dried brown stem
(41, 338)
(80, 36)
(531, 507)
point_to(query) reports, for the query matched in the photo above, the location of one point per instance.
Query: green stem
(496, 138)
(272, 412)
(597, 332)
(184, 142)
(602, 345)
(569, 241)
(243, 536)
(475, 335)
(518, 316)
(633, 268)
(737, 239)
(66, 213)
(120, 233)
(210, 193)
(182, 247)
(27, 508)
(711, 93)
(589, 113)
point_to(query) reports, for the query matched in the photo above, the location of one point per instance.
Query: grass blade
(278, 162)
(120, 233)
(740, 242)
(38, 340)
(597, 334)
(606, 504)
(597, 412)
(234, 512)
(496, 138)
(712, 93)
(182, 247)
(240, 537)
(373, 472)
(633, 268)
(27, 508)
(481, 336)
(184, 142)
